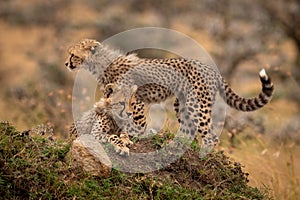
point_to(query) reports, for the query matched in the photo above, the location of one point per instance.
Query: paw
(127, 142)
(125, 139)
(123, 151)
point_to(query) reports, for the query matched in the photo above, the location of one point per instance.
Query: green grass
(33, 167)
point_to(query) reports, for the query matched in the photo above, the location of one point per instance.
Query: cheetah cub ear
(133, 89)
(109, 89)
(93, 49)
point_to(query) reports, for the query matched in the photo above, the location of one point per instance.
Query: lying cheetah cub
(105, 127)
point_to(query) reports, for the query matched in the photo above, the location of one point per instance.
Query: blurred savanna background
(242, 36)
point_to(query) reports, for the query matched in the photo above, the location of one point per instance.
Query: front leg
(136, 124)
(120, 145)
(104, 129)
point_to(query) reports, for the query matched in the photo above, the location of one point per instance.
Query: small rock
(88, 153)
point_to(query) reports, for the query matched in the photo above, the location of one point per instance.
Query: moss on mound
(33, 167)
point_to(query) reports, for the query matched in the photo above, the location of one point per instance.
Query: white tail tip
(263, 73)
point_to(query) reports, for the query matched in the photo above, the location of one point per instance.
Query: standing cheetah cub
(193, 83)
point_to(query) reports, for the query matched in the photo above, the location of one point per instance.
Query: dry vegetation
(242, 36)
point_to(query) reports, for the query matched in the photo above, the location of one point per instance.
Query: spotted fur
(101, 123)
(109, 66)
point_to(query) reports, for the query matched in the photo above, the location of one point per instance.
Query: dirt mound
(33, 167)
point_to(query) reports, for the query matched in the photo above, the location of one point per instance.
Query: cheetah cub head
(118, 100)
(79, 52)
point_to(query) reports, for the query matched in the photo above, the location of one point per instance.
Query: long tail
(251, 104)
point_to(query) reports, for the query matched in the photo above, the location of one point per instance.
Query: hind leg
(200, 115)
(209, 138)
